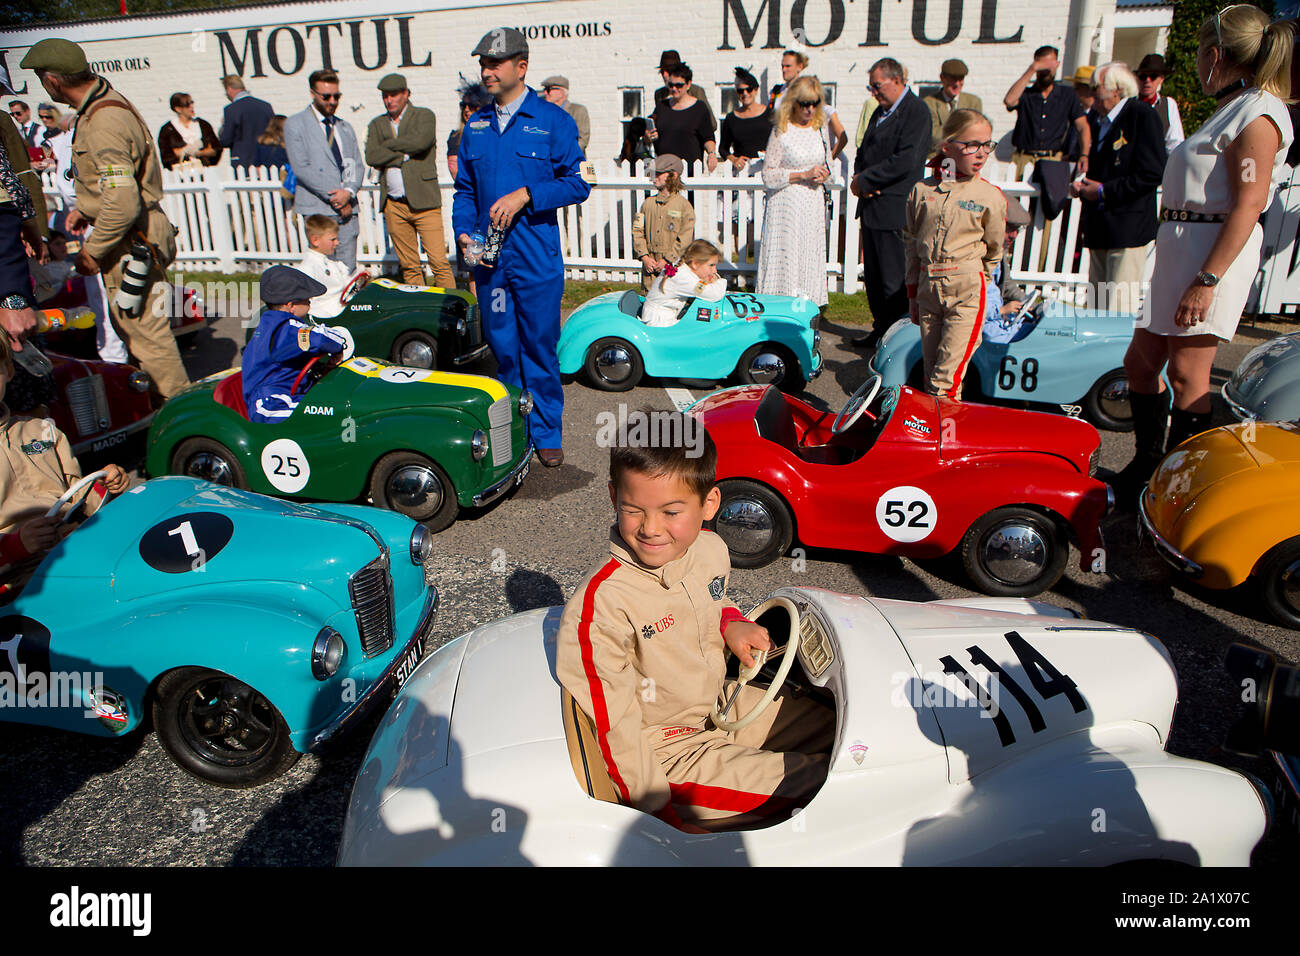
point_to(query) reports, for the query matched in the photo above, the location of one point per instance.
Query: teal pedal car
(1060, 359)
(422, 442)
(413, 325)
(249, 629)
(760, 339)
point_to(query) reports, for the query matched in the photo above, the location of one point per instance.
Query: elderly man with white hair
(1125, 167)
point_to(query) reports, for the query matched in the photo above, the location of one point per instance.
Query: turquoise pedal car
(1061, 358)
(251, 629)
(761, 339)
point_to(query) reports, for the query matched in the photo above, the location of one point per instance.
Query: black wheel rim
(1288, 587)
(227, 723)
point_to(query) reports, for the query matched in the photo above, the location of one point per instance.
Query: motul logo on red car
(917, 425)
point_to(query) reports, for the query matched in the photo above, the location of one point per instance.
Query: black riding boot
(1184, 424)
(1149, 415)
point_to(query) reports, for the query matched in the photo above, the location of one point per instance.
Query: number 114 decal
(1043, 676)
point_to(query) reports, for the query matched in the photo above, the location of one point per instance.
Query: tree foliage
(1182, 84)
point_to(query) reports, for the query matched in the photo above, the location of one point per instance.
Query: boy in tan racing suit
(640, 649)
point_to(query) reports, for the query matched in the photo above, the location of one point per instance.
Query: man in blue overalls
(519, 162)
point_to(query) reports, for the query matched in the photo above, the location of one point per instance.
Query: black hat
(669, 59)
(282, 284)
(501, 43)
(1153, 63)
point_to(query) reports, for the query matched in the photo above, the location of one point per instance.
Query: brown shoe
(551, 457)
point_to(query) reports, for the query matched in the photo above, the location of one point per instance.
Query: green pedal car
(420, 442)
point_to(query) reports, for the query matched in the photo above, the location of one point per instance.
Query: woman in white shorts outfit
(1216, 185)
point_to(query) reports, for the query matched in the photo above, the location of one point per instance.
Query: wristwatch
(16, 302)
(529, 192)
(1207, 279)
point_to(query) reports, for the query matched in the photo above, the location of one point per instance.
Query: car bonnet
(1269, 374)
(1205, 460)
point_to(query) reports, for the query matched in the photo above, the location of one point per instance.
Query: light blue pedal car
(1266, 385)
(252, 628)
(1061, 358)
(764, 339)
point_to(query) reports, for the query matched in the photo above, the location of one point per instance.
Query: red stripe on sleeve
(976, 335)
(601, 715)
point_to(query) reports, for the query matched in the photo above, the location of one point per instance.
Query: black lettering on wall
(874, 18)
(747, 30)
(238, 63)
(404, 42)
(326, 54)
(273, 52)
(381, 43)
(836, 27)
(988, 25)
(918, 23)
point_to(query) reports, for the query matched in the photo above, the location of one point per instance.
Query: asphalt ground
(77, 800)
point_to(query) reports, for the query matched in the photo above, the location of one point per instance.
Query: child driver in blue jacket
(284, 343)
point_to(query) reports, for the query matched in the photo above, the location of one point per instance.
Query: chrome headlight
(327, 653)
(421, 544)
(478, 445)
(461, 326)
(140, 381)
(525, 402)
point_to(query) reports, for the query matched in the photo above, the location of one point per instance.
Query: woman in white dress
(1216, 184)
(792, 257)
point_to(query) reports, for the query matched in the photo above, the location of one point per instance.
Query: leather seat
(230, 392)
(584, 751)
(773, 421)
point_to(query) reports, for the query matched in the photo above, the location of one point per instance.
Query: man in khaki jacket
(119, 187)
(403, 145)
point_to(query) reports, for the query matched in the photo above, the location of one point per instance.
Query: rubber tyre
(415, 336)
(435, 518)
(173, 708)
(1093, 411)
(1270, 582)
(774, 505)
(634, 376)
(791, 382)
(191, 447)
(986, 581)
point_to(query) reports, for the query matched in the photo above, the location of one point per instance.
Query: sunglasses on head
(328, 96)
(809, 104)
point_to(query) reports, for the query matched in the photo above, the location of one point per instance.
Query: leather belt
(1039, 153)
(1186, 215)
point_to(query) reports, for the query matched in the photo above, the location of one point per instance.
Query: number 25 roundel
(186, 542)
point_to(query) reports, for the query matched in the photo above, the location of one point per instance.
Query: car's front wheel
(221, 730)
(770, 364)
(1278, 579)
(209, 460)
(1106, 404)
(614, 365)
(411, 484)
(1014, 552)
(416, 350)
(754, 523)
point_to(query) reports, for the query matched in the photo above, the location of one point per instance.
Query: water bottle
(492, 247)
(474, 251)
(135, 280)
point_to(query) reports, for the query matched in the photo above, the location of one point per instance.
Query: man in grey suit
(403, 144)
(325, 157)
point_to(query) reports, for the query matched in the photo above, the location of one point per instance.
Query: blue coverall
(277, 352)
(519, 298)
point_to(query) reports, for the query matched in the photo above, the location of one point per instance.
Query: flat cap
(283, 284)
(57, 55)
(561, 81)
(392, 83)
(1016, 214)
(502, 42)
(954, 68)
(668, 163)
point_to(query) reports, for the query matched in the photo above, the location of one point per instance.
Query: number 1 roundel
(906, 513)
(186, 542)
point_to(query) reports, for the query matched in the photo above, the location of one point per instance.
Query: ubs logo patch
(658, 627)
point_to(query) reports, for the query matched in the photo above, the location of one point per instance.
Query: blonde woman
(796, 169)
(1216, 184)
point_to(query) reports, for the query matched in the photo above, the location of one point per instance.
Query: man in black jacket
(1125, 167)
(890, 161)
(244, 120)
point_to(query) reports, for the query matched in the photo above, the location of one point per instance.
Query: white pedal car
(983, 731)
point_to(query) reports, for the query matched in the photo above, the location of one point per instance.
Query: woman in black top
(683, 124)
(746, 129)
(187, 137)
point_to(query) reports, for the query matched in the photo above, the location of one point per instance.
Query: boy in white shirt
(323, 239)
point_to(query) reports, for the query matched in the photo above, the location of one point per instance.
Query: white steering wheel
(855, 406)
(83, 486)
(787, 655)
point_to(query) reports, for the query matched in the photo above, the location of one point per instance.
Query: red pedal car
(900, 472)
(98, 405)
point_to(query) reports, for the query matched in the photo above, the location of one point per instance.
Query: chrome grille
(815, 645)
(499, 421)
(89, 404)
(371, 591)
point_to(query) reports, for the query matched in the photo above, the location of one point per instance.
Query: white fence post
(220, 230)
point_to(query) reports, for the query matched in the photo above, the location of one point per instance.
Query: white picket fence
(231, 221)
